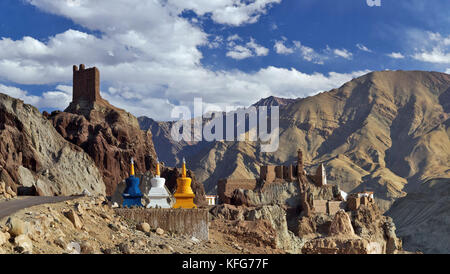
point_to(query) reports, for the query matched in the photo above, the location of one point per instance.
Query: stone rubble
(88, 225)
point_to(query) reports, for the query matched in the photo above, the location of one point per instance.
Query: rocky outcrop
(273, 215)
(341, 225)
(276, 216)
(335, 245)
(110, 136)
(286, 193)
(35, 159)
(364, 231)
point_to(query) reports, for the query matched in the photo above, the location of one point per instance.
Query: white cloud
(436, 55)
(234, 37)
(343, 53)
(363, 48)
(239, 52)
(242, 51)
(434, 48)
(280, 48)
(216, 42)
(447, 71)
(59, 98)
(229, 12)
(309, 54)
(149, 58)
(259, 50)
(396, 55)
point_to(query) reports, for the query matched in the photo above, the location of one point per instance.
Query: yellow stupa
(184, 195)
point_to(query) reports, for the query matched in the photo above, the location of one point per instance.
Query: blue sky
(154, 55)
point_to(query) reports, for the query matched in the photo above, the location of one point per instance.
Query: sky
(154, 55)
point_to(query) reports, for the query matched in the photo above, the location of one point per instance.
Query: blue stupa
(132, 194)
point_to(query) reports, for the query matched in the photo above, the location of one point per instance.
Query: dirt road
(12, 206)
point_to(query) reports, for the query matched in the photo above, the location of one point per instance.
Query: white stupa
(158, 194)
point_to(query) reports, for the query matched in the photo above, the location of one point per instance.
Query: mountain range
(386, 131)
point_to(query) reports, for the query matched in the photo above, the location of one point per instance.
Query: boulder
(4, 237)
(125, 248)
(73, 248)
(160, 231)
(23, 243)
(73, 217)
(17, 227)
(10, 191)
(144, 227)
(87, 248)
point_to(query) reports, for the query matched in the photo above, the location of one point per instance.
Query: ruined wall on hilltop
(225, 187)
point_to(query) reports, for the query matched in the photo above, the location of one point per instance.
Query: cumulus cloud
(58, 99)
(229, 12)
(396, 55)
(343, 53)
(239, 52)
(435, 48)
(242, 51)
(280, 48)
(149, 57)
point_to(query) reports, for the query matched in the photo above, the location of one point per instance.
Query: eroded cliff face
(37, 160)
(300, 224)
(363, 231)
(110, 136)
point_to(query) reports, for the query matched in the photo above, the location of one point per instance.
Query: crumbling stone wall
(289, 173)
(225, 187)
(267, 173)
(328, 207)
(190, 222)
(354, 201)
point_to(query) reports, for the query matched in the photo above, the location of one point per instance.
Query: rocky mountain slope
(423, 217)
(386, 131)
(274, 101)
(35, 159)
(170, 152)
(111, 136)
(88, 225)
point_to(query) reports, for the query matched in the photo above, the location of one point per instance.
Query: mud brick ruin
(361, 198)
(225, 187)
(279, 174)
(86, 84)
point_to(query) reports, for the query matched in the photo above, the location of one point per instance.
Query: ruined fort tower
(86, 84)
(86, 93)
